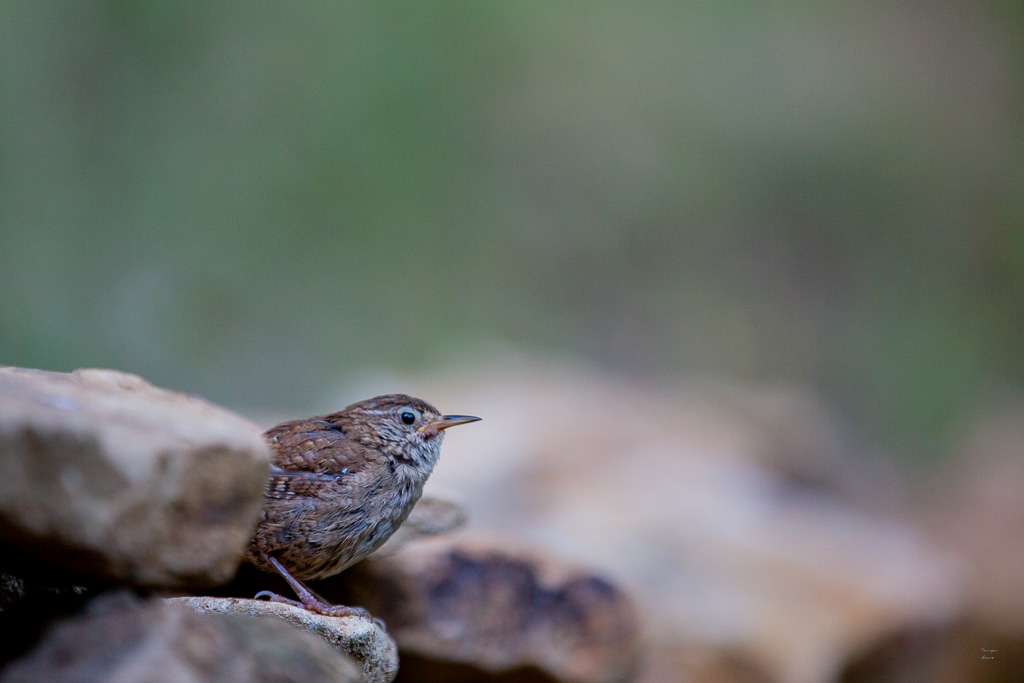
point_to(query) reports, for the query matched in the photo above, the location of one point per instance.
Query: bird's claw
(338, 610)
(318, 607)
(274, 597)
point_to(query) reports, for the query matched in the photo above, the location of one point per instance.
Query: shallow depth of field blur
(267, 205)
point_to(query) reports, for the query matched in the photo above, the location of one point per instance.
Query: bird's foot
(317, 606)
(274, 597)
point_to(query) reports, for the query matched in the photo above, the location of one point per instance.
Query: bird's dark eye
(408, 415)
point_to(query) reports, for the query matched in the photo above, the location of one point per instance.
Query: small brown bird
(340, 485)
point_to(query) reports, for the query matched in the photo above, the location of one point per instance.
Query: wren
(339, 487)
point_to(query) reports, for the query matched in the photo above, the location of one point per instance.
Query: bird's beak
(446, 421)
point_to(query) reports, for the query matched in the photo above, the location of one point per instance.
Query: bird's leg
(308, 599)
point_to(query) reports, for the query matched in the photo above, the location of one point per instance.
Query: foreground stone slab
(122, 639)
(104, 474)
(361, 639)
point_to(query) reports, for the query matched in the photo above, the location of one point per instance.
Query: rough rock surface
(361, 639)
(121, 639)
(12, 591)
(103, 474)
(469, 601)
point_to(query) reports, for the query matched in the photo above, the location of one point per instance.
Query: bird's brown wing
(308, 454)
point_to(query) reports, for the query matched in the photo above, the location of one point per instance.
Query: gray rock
(102, 473)
(361, 639)
(121, 640)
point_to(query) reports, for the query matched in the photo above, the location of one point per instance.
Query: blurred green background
(256, 202)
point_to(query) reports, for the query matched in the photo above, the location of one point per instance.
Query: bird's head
(403, 427)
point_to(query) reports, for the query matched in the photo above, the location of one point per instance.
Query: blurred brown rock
(464, 608)
(123, 640)
(733, 518)
(957, 653)
(106, 475)
(979, 507)
(431, 517)
(362, 640)
(974, 507)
